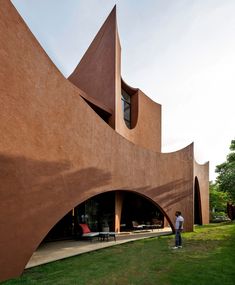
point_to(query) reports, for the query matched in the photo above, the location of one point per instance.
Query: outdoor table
(105, 235)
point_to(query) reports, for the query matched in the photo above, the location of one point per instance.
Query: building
(68, 144)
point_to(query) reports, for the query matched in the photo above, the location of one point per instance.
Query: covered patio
(52, 251)
(113, 211)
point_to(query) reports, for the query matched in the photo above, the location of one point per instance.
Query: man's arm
(180, 225)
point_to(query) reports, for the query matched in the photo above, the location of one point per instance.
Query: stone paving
(53, 251)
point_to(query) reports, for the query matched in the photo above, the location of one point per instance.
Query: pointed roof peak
(111, 17)
(100, 63)
(114, 9)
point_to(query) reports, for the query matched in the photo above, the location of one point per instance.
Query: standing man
(178, 229)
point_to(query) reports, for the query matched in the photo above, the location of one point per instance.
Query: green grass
(208, 257)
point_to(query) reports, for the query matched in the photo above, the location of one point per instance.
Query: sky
(180, 53)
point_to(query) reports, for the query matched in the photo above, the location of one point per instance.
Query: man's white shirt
(177, 222)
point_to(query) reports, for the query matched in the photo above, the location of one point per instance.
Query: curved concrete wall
(101, 65)
(147, 130)
(56, 152)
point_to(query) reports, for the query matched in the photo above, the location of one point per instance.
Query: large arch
(118, 208)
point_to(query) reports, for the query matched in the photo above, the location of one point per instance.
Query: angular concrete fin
(96, 74)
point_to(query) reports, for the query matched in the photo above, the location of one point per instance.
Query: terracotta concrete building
(86, 148)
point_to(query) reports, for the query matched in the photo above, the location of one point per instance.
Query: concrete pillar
(118, 210)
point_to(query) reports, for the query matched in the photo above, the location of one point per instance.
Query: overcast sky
(181, 53)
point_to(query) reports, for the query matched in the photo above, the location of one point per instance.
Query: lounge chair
(87, 233)
(136, 226)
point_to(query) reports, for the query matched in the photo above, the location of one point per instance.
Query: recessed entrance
(110, 211)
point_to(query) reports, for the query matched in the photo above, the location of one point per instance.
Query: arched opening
(126, 108)
(110, 211)
(197, 203)
(129, 100)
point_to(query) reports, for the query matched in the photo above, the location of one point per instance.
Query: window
(126, 107)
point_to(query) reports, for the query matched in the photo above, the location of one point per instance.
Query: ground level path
(53, 251)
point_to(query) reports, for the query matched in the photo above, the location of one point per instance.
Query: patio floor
(53, 251)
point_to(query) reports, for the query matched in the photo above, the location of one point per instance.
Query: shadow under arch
(112, 210)
(147, 205)
(197, 203)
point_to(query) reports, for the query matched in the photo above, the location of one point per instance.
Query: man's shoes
(176, 247)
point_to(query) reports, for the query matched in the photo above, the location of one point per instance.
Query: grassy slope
(208, 257)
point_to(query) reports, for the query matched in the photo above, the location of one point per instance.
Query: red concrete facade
(56, 152)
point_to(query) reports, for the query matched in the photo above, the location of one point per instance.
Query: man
(178, 229)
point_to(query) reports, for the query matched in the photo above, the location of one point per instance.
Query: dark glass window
(126, 107)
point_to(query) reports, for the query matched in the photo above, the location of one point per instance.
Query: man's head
(177, 213)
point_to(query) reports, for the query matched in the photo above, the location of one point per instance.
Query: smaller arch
(197, 203)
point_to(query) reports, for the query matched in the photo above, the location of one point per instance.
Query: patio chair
(157, 224)
(87, 233)
(136, 226)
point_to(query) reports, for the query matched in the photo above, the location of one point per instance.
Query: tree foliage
(226, 174)
(218, 199)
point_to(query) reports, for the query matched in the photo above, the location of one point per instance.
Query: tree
(218, 199)
(226, 174)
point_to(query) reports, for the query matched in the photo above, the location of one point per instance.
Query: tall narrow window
(126, 107)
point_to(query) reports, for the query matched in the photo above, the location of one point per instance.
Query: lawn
(208, 257)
